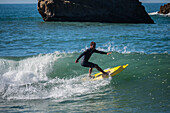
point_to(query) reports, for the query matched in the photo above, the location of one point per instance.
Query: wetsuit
(86, 56)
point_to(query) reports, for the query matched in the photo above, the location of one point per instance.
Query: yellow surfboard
(112, 72)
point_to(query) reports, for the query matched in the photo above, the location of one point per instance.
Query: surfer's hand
(76, 61)
(109, 53)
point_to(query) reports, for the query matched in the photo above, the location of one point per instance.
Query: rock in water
(112, 11)
(165, 9)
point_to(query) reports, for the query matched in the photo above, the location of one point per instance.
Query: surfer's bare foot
(91, 76)
(105, 74)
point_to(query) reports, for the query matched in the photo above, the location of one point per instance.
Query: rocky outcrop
(165, 9)
(112, 11)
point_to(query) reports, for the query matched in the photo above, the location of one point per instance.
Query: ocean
(38, 72)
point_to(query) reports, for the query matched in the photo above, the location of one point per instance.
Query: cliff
(112, 11)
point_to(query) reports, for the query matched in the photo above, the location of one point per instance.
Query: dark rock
(113, 11)
(165, 9)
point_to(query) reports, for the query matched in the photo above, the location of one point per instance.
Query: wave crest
(28, 70)
(156, 13)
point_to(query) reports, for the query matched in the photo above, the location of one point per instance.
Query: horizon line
(37, 2)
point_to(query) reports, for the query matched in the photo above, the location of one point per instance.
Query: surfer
(86, 56)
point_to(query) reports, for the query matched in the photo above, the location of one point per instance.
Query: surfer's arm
(102, 52)
(80, 57)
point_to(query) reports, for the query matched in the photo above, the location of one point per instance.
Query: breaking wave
(156, 13)
(28, 78)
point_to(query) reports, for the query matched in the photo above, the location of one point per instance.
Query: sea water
(38, 73)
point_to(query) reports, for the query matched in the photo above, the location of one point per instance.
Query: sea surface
(38, 71)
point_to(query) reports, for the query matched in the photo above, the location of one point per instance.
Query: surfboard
(112, 72)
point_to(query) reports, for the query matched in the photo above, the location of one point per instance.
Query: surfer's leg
(99, 69)
(92, 65)
(90, 71)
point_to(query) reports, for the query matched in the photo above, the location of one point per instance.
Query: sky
(35, 1)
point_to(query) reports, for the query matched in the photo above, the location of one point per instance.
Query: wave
(28, 79)
(59, 89)
(55, 75)
(156, 13)
(31, 69)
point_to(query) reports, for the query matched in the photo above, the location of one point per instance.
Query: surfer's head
(93, 45)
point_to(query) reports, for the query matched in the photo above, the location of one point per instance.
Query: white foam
(60, 89)
(153, 13)
(28, 70)
(75, 87)
(168, 15)
(113, 47)
(19, 78)
(156, 13)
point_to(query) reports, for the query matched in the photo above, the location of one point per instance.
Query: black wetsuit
(86, 56)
